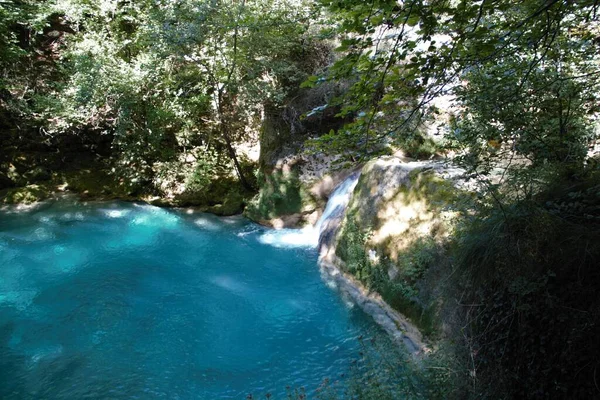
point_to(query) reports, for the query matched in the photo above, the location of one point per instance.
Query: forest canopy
(168, 78)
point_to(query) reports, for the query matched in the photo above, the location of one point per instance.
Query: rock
(25, 195)
(391, 238)
(160, 202)
(282, 194)
(287, 200)
(398, 201)
(233, 204)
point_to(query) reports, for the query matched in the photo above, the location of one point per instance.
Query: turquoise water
(125, 301)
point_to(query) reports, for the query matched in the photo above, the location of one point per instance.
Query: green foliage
(523, 74)
(156, 98)
(404, 292)
(205, 168)
(401, 292)
(416, 260)
(524, 77)
(18, 18)
(25, 195)
(405, 277)
(421, 148)
(161, 81)
(27, 71)
(529, 276)
(352, 249)
(542, 119)
(96, 183)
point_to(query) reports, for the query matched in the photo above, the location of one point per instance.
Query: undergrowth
(401, 292)
(529, 276)
(511, 296)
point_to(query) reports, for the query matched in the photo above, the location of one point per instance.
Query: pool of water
(117, 300)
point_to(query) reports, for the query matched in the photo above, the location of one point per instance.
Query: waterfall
(334, 211)
(323, 230)
(338, 201)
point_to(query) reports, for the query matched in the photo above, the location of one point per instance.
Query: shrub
(529, 275)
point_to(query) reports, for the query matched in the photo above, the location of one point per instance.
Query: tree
(538, 56)
(171, 77)
(31, 37)
(524, 79)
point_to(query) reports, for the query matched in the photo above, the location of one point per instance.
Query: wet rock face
(380, 181)
(329, 231)
(334, 213)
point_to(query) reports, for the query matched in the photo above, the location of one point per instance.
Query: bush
(529, 275)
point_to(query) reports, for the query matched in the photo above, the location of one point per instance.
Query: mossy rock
(232, 205)
(94, 183)
(281, 194)
(26, 195)
(394, 231)
(222, 196)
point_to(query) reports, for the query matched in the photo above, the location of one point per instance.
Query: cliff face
(394, 234)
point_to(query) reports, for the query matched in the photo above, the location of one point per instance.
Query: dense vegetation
(521, 267)
(162, 94)
(160, 98)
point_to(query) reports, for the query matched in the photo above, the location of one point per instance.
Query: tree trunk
(236, 163)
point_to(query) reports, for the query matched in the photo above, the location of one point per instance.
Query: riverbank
(223, 198)
(400, 329)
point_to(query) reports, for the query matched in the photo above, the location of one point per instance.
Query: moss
(400, 292)
(161, 202)
(424, 317)
(89, 183)
(436, 191)
(407, 293)
(421, 148)
(232, 204)
(394, 234)
(274, 135)
(222, 195)
(281, 193)
(93, 183)
(25, 195)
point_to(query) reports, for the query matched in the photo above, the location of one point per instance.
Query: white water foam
(309, 236)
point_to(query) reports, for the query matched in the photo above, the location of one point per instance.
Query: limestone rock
(392, 236)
